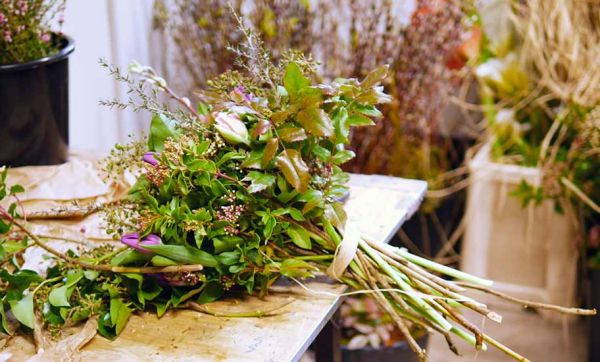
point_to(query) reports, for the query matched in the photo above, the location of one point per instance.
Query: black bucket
(400, 352)
(34, 109)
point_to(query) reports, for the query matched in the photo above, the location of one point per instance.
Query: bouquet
(236, 192)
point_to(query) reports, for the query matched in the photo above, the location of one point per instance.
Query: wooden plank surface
(377, 206)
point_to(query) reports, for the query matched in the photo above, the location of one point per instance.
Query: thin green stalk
(439, 267)
(411, 294)
(110, 255)
(46, 282)
(468, 337)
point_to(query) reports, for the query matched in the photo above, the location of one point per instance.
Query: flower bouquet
(235, 193)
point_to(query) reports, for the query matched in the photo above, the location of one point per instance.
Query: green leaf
(375, 77)
(202, 165)
(158, 260)
(4, 326)
(294, 80)
(369, 110)
(299, 236)
(294, 169)
(254, 159)
(161, 128)
(58, 297)
(129, 257)
(105, 326)
(18, 282)
(292, 134)
(295, 268)
(15, 189)
(91, 274)
(229, 257)
(342, 129)
(270, 151)
(259, 181)
(316, 122)
(211, 292)
(226, 243)
(184, 254)
(23, 310)
(161, 309)
(342, 157)
(119, 314)
(270, 223)
(321, 152)
(356, 120)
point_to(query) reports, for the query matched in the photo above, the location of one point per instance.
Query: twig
(589, 202)
(104, 267)
(504, 349)
(68, 212)
(528, 303)
(253, 314)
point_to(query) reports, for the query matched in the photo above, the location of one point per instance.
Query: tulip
(231, 128)
(133, 240)
(239, 94)
(149, 157)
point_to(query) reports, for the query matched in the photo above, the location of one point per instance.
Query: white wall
(118, 31)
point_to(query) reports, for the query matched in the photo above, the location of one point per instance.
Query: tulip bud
(231, 128)
(150, 159)
(133, 240)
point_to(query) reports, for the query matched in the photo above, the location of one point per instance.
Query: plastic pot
(400, 352)
(34, 109)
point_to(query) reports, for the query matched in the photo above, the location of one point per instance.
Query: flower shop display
(34, 83)
(539, 170)
(234, 192)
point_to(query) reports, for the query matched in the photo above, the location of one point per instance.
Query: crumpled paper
(77, 179)
(75, 183)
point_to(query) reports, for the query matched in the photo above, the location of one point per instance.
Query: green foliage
(237, 190)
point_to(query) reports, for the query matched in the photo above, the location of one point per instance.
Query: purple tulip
(133, 240)
(241, 91)
(149, 157)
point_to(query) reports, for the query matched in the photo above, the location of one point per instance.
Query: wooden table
(377, 206)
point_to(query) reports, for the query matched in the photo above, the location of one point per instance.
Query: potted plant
(34, 83)
(542, 109)
(370, 334)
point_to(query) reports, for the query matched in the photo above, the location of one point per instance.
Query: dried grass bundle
(561, 47)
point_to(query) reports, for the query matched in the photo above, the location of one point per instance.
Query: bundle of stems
(412, 290)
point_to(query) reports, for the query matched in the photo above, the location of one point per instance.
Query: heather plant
(25, 29)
